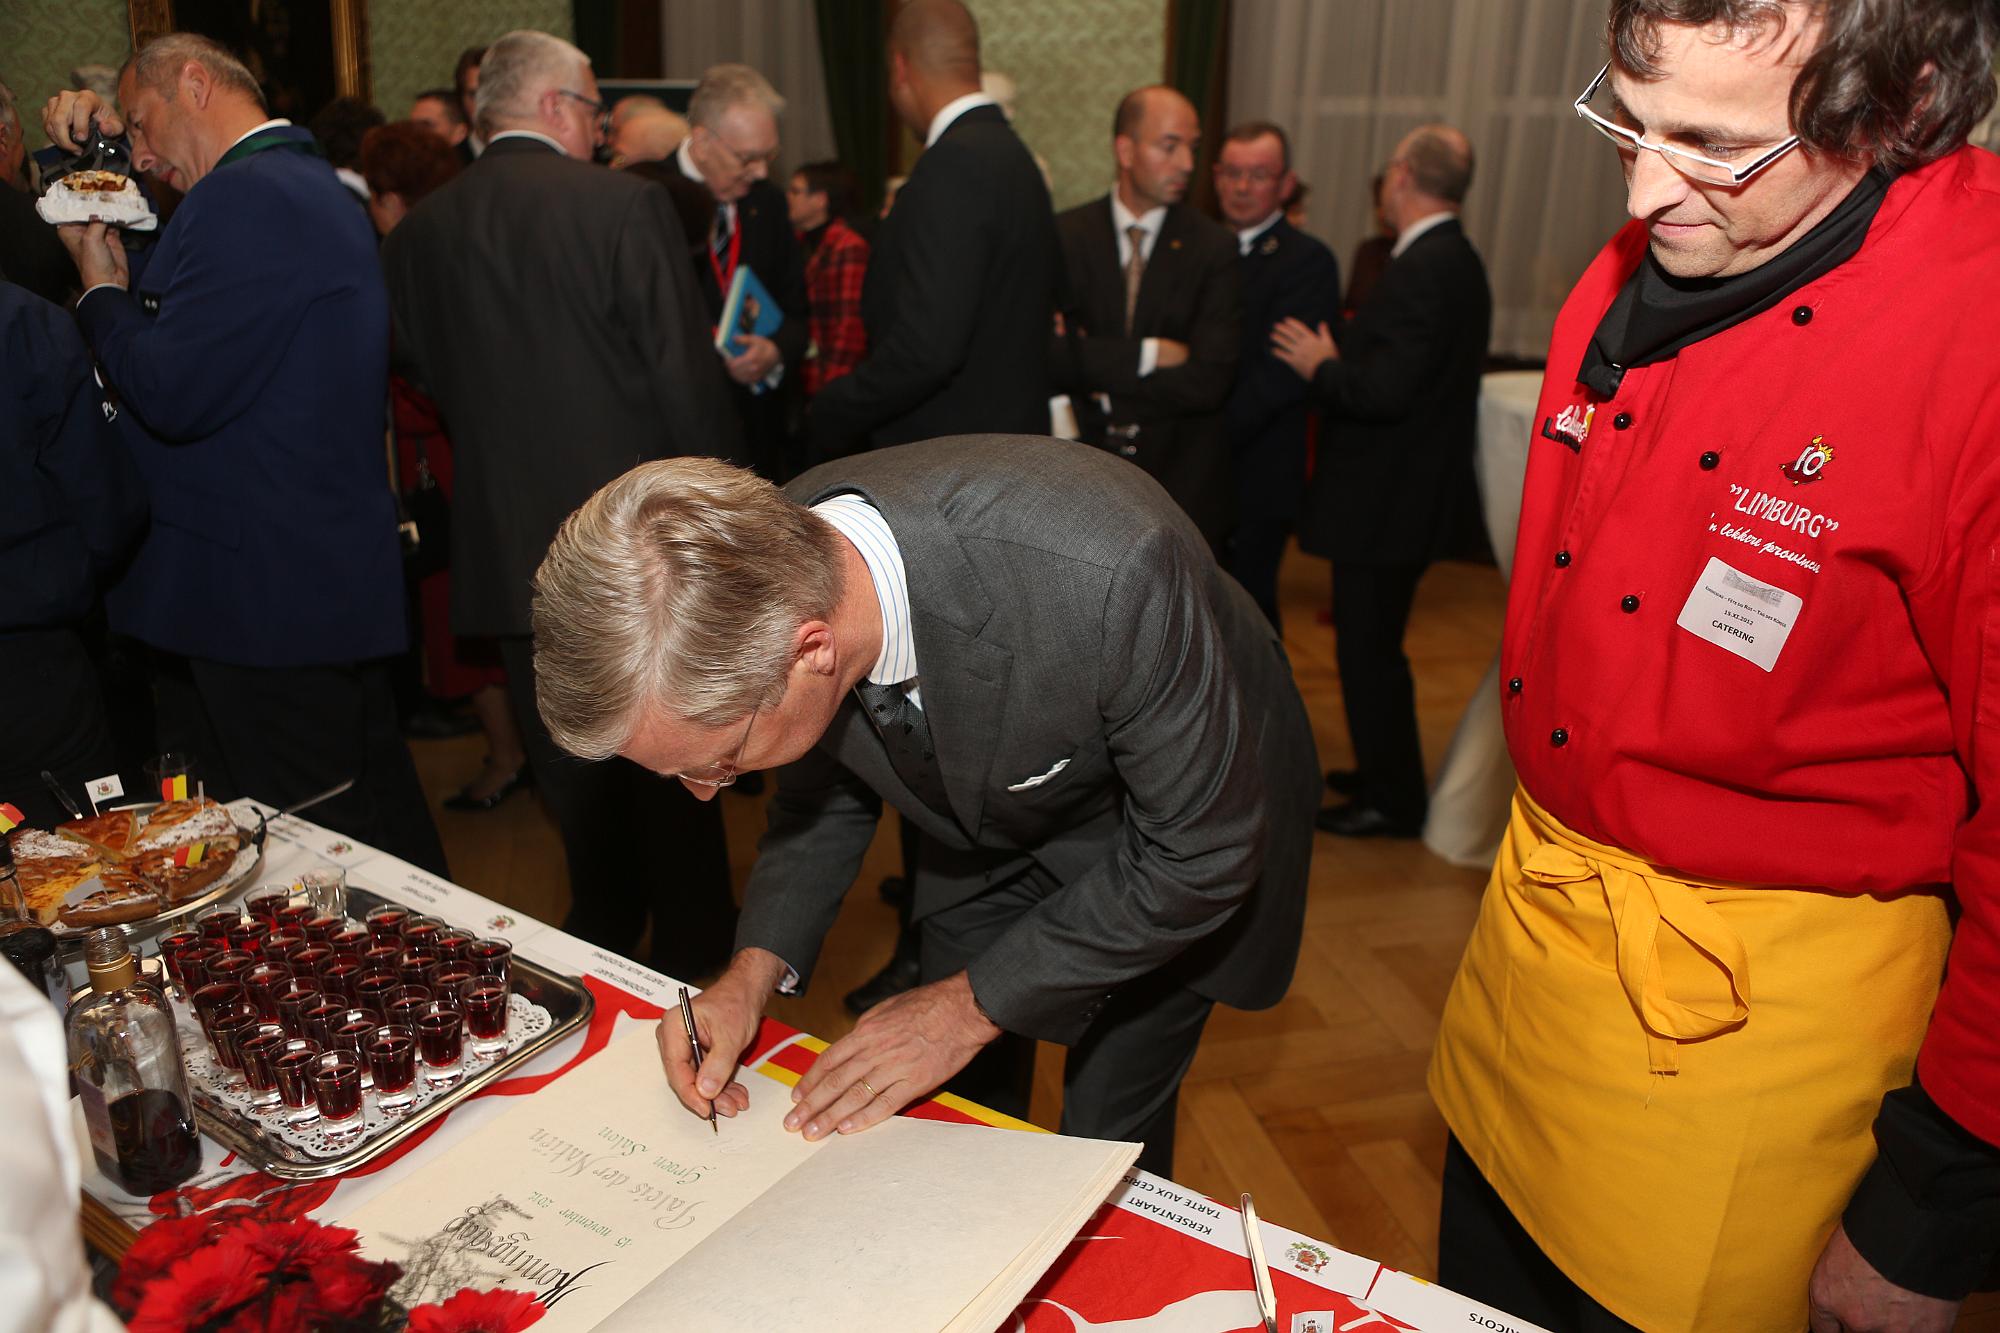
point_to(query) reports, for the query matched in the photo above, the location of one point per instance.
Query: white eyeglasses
(1692, 165)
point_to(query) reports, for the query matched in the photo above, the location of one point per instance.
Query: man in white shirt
(1147, 340)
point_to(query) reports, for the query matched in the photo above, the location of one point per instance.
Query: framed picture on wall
(303, 52)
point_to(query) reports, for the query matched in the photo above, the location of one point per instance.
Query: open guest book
(625, 1212)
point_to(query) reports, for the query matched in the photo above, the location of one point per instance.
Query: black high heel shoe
(463, 799)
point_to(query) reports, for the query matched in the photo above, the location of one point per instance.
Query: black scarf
(1657, 314)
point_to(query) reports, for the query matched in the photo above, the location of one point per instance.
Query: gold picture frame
(351, 77)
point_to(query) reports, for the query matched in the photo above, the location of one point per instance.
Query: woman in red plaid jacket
(819, 196)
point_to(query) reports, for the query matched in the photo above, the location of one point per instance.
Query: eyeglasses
(722, 774)
(1255, 175)
(1692, 165)
(767, 159)
(598, 110)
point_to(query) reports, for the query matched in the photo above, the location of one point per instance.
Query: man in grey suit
(1026, 648)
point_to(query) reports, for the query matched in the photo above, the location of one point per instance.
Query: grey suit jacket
(1064, 609)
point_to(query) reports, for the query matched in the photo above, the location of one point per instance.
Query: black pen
(694, 1045)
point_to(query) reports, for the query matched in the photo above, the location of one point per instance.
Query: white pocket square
(1039, 778)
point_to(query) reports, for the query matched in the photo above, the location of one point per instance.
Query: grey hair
(158, 65)
(517, 70)
(726, 86)
(1440, 160)
(679, 586)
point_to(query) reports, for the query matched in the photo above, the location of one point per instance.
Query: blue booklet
(746, 308)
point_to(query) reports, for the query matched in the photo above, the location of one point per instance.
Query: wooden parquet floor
(1317, 1106)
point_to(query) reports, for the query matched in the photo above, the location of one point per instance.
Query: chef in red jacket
(1703, 1063)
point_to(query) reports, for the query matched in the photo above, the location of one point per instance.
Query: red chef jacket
(1754, 627)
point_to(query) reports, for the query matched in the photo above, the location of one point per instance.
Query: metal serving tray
(569, 1005)
(248, 866)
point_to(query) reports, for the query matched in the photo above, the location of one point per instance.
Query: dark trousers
(638, 846)
(1371, 610)
(1485, 1254)
(1256, 549)
(53, 719)
(1122, 1081)
(282, 734)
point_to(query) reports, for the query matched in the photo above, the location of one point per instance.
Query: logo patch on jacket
(1812, 460)
(1571, 426)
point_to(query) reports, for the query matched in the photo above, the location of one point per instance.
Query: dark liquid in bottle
(158, 1147)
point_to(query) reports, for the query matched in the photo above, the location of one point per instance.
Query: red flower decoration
(496, 1311)
(346, 1286)
(285, 1309)
(206, 1284)
(158, 1248)
(296, 1246)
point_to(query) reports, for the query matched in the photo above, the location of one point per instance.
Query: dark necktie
(718, 241)
(1135, 272)
(906, 735)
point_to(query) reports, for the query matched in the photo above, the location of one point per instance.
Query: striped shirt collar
(862, 524)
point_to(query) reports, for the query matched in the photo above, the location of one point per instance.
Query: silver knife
(1260, 1272)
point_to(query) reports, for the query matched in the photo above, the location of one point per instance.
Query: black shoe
(436, 721)
(1344, 782)
(1355, 820)
(463, 799)
(898, 975)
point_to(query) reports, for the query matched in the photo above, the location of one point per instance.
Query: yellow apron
(1671, 1082)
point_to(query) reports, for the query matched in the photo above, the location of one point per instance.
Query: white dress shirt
(1408, 235)
(863, 525)
(951, 111)
(1247, 237)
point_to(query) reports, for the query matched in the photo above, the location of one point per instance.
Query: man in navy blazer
(1286, 275)
(251, 346)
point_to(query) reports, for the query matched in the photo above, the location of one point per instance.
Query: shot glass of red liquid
(263, 982)
(215, 923)
(267, 902)
(349, 1030)
(170, 954)
(349, 939)
(208, 999)
(441, 1042)
(338, 974)
(336, 1079)
(392, 1058)
(192, 959)
(281, 944)
(317, 1019)
(294, 915)
(451, 942)
(444, 976)
(293, 1066)
(386, 922)
(230, 965)
(295, 999)
(231, 1021)
(320, 927)
(492, 958)
(403, 1004)
(308, 959)
(483, 1001)
(413, 964)
(372, 987)
(420, 929)
(382, 954)
(257, 1051)
(249, 934)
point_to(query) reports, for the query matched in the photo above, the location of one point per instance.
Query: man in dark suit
(726, 157)
(547, 305)
(248, 351)
(1027, 649)
(1286, 275)
(1399, 393)
(1152, 312)
(963, 273)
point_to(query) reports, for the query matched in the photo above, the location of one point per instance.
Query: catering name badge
(1740, 614)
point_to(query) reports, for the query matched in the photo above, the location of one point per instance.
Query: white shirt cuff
(1149, 356)
(98, 288)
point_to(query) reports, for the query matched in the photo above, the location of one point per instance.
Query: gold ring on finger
(872, 1094)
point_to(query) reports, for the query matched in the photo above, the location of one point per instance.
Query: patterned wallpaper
(414, 44)
(42, 40)
(1073, 62)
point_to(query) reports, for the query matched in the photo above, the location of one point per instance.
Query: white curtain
(778, 38)
(1348, 78)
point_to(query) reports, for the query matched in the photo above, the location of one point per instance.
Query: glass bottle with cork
(128, 1072)
(28, 944)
